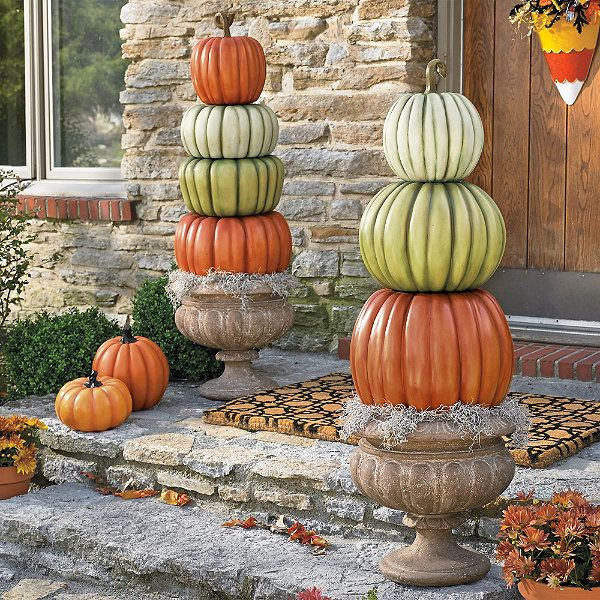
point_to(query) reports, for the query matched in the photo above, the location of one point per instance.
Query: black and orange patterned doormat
(560, 427)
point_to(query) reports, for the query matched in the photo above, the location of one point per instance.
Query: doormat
(560, 427)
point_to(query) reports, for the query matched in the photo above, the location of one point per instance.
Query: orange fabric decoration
(430, 350)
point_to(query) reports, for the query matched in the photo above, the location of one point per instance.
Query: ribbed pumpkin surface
(431, 350)
(228, 70)
(432, 237)
(93, 409)
(432, 137)
(228, 188)
(244, 131)
(141, 365)
(256, 244)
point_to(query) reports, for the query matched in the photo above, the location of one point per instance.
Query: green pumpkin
(242, 131)
(432, 137)
(432, 237)
(229, 188)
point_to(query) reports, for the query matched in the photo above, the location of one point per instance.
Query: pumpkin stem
(127, 335)
(434, 67)
(92, 381)
(224, 21)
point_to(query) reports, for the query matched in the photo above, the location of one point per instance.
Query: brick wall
(335, 67)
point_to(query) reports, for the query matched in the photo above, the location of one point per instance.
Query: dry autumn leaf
(174, 498)
(134, 494)
(249, 523)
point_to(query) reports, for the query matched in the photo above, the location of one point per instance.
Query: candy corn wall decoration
(568, 33)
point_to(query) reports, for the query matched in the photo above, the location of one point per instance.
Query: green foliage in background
(153, 318)
(15, 257)
(43, 352)
(88, 47)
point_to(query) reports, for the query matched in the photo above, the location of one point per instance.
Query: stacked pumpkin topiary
(230, 183)
(432, 339)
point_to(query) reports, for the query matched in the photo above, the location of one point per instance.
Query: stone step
(72, 533)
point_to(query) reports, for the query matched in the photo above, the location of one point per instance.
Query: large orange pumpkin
(229, 69)
(254, 244)
(431, 350)
(138, 362)
(93, 403)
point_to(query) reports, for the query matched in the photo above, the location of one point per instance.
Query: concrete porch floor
(228, 472)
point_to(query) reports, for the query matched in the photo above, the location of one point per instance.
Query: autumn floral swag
(555, 542)
(544, 14)
(18, 443)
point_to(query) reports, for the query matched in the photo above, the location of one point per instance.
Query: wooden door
(541, 160)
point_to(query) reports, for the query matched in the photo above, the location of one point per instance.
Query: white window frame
(39, 121)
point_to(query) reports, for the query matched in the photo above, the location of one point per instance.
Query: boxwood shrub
(153, 318)
(42, 352)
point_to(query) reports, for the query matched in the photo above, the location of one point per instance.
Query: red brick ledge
(63, 208)
(540, 360)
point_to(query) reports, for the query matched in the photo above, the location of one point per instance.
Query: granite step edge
(75, 532)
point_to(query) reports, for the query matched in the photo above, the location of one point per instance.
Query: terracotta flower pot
(12, 483)
(533, 590)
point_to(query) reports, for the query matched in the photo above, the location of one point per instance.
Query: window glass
(87, 76)
(12, 83)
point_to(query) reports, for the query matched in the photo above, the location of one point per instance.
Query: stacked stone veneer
(335, 68)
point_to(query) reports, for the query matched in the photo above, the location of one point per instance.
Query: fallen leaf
(249, 523)
(89, 475)
(174, 498)
(106, 490)
(134, 494)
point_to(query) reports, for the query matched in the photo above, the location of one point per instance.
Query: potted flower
(18, 437)
(552, 549)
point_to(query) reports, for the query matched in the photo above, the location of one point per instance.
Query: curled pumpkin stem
(127, 336)
(434, 67)
(92, 381)
(224, 21)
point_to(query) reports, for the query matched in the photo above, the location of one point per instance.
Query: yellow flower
(25, 460)
(33, 422)
(11, 442)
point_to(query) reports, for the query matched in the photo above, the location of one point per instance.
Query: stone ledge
(167, 549)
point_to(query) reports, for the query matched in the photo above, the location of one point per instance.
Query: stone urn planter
(210, 316)
(13, 483)
(436, 477)
(534, 590)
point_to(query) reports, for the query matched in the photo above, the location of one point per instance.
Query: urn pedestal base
(212, 317)
(434, 558)
(436, 476)
(239, 377)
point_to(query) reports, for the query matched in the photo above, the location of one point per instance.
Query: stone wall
(335, 67)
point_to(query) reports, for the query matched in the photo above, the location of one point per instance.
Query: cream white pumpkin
(431, 136)
(242, 131)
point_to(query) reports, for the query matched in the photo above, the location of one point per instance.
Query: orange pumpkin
(254, 244)
(138, 362)
(93, 403)
(228, 70)
(431, 350)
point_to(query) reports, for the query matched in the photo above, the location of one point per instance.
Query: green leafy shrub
(153, 318)
(43, 352)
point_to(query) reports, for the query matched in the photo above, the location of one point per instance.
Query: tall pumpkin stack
(230, 182)
(432, 338)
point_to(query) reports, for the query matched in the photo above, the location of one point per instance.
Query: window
(61, 72)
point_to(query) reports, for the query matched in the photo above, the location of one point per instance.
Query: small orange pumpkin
(93, 403)
(254, 244)
(139, 363)
(228, 70)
